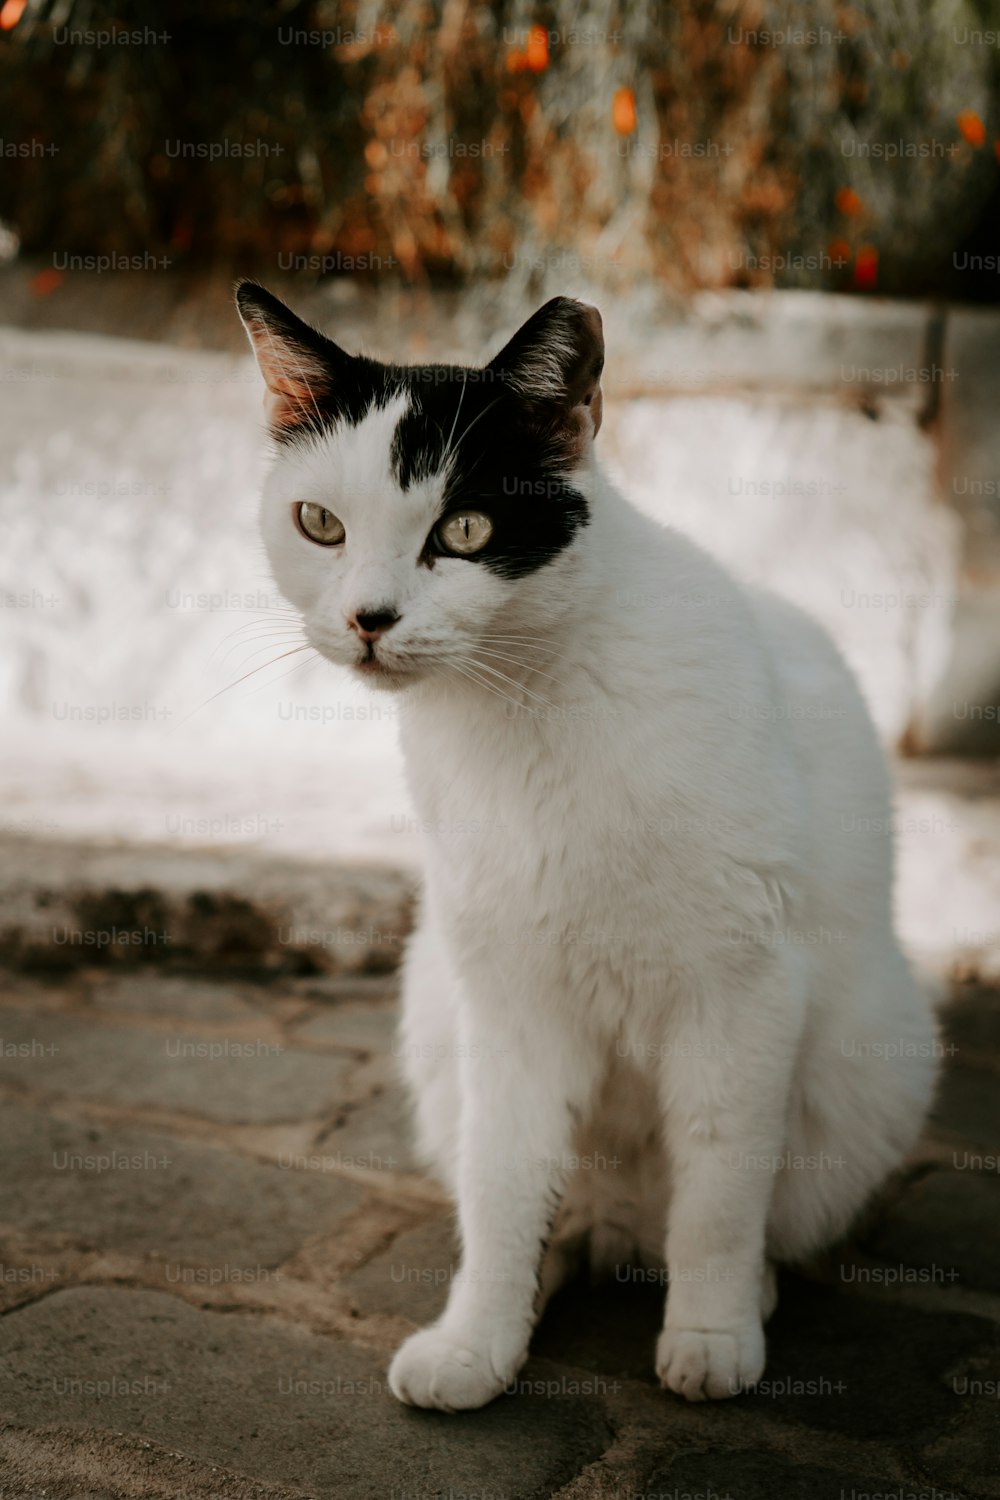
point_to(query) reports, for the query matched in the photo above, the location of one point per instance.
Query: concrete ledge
(270, 910)
(962, 713)
(806, 344)
(801, 342)
(826, 445)
(231, 911)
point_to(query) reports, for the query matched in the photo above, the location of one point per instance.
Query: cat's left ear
(553, 367)
(301, 368)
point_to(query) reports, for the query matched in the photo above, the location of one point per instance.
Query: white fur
(652, 933)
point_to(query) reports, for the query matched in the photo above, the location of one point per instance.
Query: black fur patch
(504, 456)
(497, 461)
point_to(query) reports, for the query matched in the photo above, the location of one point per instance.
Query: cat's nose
(370, 623)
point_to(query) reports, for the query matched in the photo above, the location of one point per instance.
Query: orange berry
(866, 267)
(537, 52)
(847, 201)
(972, 128)
(623, 111)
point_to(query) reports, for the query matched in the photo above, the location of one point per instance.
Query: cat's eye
(319, 524)
(464, 532)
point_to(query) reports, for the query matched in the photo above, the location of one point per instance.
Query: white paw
(434, 1369)
(711, 1364)
(768, 1291)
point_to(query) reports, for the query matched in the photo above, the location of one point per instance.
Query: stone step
(281, 906)
(70, 904)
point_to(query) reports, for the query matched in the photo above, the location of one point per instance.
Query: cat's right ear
(553, 367)
(299, 366)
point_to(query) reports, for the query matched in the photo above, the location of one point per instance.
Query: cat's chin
(383, 679)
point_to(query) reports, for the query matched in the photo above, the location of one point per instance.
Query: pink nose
(371, 623)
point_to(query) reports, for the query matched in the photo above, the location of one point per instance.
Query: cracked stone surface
(207, 1258)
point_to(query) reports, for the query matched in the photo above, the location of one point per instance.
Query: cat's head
(415, 513)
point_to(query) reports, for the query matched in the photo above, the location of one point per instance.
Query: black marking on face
(496, 461)
(504, 444)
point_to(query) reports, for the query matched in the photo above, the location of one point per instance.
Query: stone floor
(212, 1236)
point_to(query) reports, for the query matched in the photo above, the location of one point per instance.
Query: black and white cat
(654, 1008)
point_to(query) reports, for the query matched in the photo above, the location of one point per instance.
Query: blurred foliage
(616, 140)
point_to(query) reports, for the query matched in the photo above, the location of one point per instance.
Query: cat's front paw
(710, 1364)
(435, 1369)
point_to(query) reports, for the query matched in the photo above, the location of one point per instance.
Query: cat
(654, 1010)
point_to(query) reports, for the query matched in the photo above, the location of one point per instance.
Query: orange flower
(866, 267)
(972, 128)
(11, 13)
(45, 282)
(623, 111)
(847, 201)
(536, 54)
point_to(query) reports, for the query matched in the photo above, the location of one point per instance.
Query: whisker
(276, 636)
(519, 686)
(269, 643)
(263, 633)
(465, 671)
(245, 637)
(458, 409)
(517, 662)
(229, 686)
(476, 419)
(532, 641)
(250, 624)
(526, 640)
(282, 675)
(481, 667)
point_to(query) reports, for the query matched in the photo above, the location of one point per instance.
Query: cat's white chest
(529, 864)
(504, 822)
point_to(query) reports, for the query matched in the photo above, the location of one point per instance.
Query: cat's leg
(725, 1090)
(523, 1081)
(426, 1049)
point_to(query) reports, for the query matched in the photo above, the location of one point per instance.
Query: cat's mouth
(381, 674)
(371, 666)
(377, 668)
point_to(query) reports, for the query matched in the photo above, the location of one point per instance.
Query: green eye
(464, 532)
(319, 524)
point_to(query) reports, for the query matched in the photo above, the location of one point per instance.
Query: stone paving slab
(151, 1194)
(947, 1226)
(153, 995)
(412, 1275)
(375, 1135)
(760, 1475)
(834, 1363)
(356, 1024)
(76, 1465)
(236, 1078)
(967, 1107)
(972, 1022)
(270, 1401)
(139, 1362)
